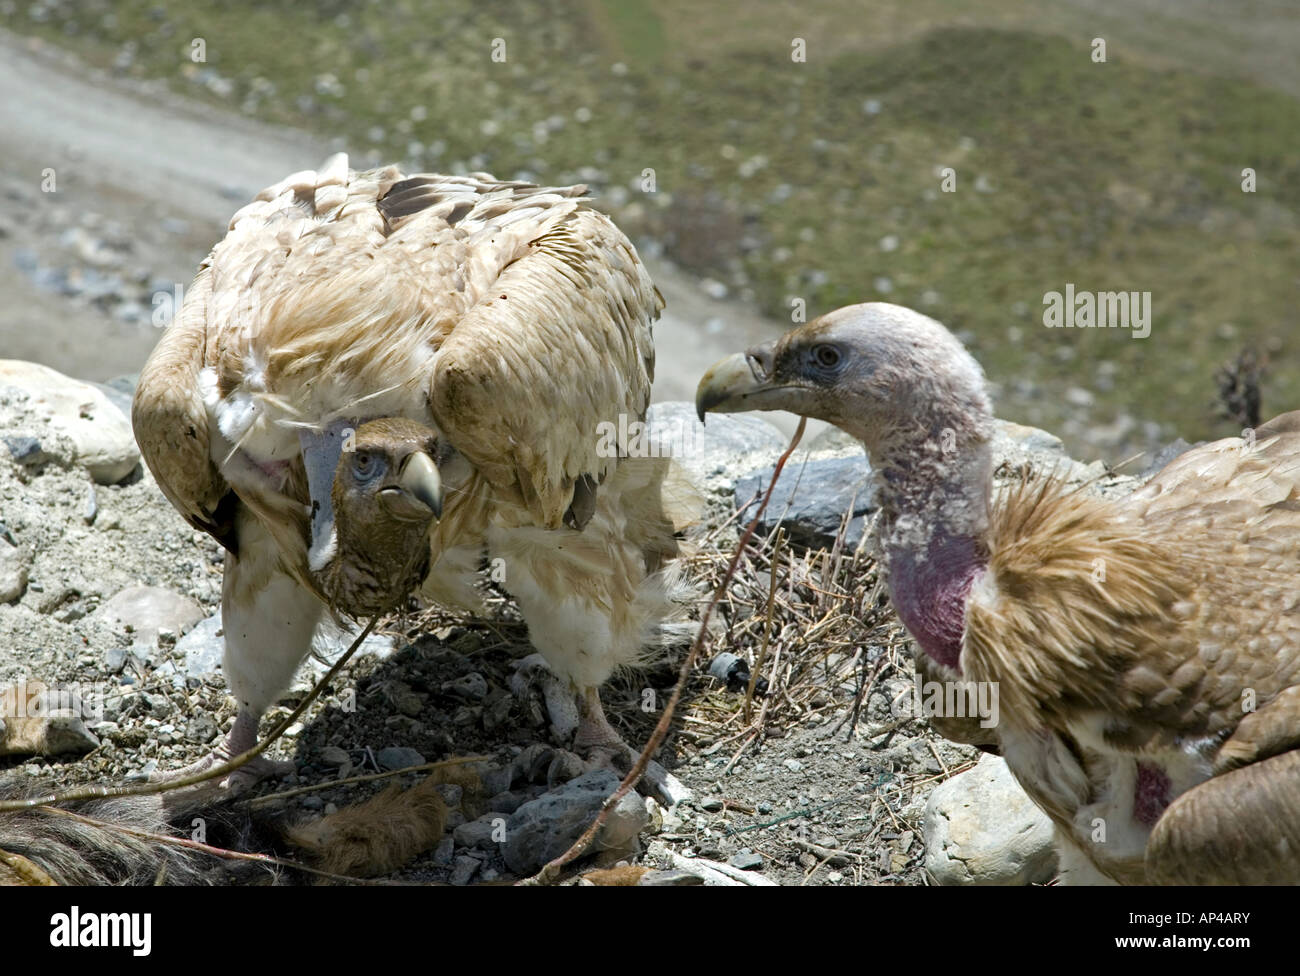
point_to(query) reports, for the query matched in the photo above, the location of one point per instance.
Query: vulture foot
(242, 737)
(604, 748)
(235, 783)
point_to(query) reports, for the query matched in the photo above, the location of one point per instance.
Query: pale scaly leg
(269, 620)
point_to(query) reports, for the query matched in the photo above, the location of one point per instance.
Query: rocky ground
(106, 593)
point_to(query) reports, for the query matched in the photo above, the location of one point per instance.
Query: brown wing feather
(1193, 621)
(171, 422)
(559, 346)
(1239, 828)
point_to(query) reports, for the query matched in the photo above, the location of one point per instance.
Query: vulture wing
(171, 423)
(1168, 637)
(510, 317)
(568, 313)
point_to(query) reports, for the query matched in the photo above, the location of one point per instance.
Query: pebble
(746, 860)
(399, 757)
(483, 833)
(464, 869)
(507, 802)
(472, 686)
(14, 563)
(335, 756)
(203, 648)
(811, 499)
(445, 853)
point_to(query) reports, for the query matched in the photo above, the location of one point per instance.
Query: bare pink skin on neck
(1151, 793)
(930, 589)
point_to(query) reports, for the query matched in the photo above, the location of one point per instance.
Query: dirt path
(146, 159)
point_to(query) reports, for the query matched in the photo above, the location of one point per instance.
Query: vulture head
(903, 385)
(370, 542)
(877, 371)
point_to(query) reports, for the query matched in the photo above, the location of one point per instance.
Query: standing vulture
(377, 378)
(1151, 709)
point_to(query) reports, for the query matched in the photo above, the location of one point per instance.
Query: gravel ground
(817, 798)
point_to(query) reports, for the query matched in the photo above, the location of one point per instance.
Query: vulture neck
(933, 492)
(373, 567)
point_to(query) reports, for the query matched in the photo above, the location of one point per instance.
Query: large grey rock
(981, 829)
(546, 827)
(821, 483)
(149, 610)
(1018, 448)
(101, 434)
(713, 455)
(811, 499)
(203, 647)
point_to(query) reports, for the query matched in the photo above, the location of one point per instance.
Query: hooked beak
(743, 382)
(418, 492)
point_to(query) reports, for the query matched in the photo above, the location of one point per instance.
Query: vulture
(1146, 649)
(376, 381)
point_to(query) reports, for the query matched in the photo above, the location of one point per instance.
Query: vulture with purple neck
(1146, 649)
(375, 380)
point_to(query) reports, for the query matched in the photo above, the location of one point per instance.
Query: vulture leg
(591, 608)
(268, 620)
(1242, 827)
(594, 731)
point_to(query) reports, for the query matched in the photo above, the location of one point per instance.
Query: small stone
(746, 860)
(464, 870)
(472, 686)
(712, 804)
(201, 729)
(544, 828)
(14, 562)
(27, 451)
(498, 779)
(335, 756)
(812, 506)
(482, 833)
(507, 802)
(452, 794)
(115, 659)
(445, 853)
(399, 757)
(981, 829)
(794, 765)
(203, 647)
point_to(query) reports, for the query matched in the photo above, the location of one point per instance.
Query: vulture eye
(364, 465)
(826, 356)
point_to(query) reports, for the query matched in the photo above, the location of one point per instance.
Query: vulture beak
(418, 491)
(744, 382)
